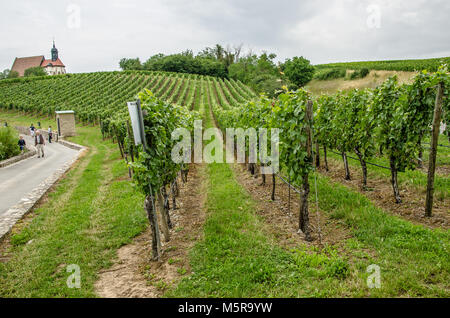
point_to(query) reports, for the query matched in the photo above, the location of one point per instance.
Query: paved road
(17, 180)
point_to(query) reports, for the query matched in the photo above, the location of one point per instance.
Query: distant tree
(13, 74)
(298, 70)
(35, 71)
(130, 64)
(185, 62)
(4, 74)
(259, 72)
(154, 63)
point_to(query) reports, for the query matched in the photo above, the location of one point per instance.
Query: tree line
(260, 72)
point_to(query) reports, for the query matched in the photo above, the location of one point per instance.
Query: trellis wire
(369, 163)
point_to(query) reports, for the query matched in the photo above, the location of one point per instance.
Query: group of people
(39, 140)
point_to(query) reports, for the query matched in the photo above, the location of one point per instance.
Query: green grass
(413, 259)
(238, 256)
(91, 213)
(416, 178)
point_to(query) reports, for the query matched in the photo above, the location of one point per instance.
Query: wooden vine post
(433, 151)
(347, 170)
(304, 214)
(272, 197)
(363, 166)
(325, 158)
(317, 155)
(153, 220)
(163, 217)
(131, 146)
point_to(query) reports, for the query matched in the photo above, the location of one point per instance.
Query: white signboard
(135, 122)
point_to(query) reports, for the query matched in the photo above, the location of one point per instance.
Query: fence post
(433, 151)
(304, 214)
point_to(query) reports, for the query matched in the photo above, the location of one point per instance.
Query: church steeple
(54, 52)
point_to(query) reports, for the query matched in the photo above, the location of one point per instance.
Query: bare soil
(134, 275)
(282, 217)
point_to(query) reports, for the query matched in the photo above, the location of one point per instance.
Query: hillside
(95, 96)
(375, 78)
(332, 77)
(391, 65)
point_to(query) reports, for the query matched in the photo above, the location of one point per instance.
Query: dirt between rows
(282, 217)
(380, 193)
(134, 275)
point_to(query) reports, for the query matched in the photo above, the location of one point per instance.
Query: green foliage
(267, 83)
(351, 125)
(299, 71)
(8, 143)
(286, 113)
(392, 116)
(259, 72)
(330, 73)
(289, 115)
(13, 74)
(361, 73)
(155, 166)
(35, 71)
(324, 120)
(130, 64)
(186, 63)
(403, 115)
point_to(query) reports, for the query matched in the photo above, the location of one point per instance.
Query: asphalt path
(19, 179)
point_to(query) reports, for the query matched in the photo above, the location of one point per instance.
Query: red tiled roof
(23, 63)
(58, 62)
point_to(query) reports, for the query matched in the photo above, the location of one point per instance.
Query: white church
(53, 66)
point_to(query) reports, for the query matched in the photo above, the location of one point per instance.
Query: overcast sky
(95, 35)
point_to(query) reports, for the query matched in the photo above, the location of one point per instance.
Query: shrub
(330, 73)
(299, 70)
(364, 72)
(8, 143)
(361, 73)
(35, 71)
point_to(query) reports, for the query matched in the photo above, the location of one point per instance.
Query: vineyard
(390, 123)
(431, 65)
(101, 97)
(390, 127)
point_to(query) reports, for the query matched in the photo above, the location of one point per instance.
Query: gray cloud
(323, 31)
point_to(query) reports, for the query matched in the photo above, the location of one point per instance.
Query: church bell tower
(54, 52)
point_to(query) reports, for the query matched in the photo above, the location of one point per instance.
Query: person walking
(32, 130)
(50, 134)
(39, 142)
(21, 143)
